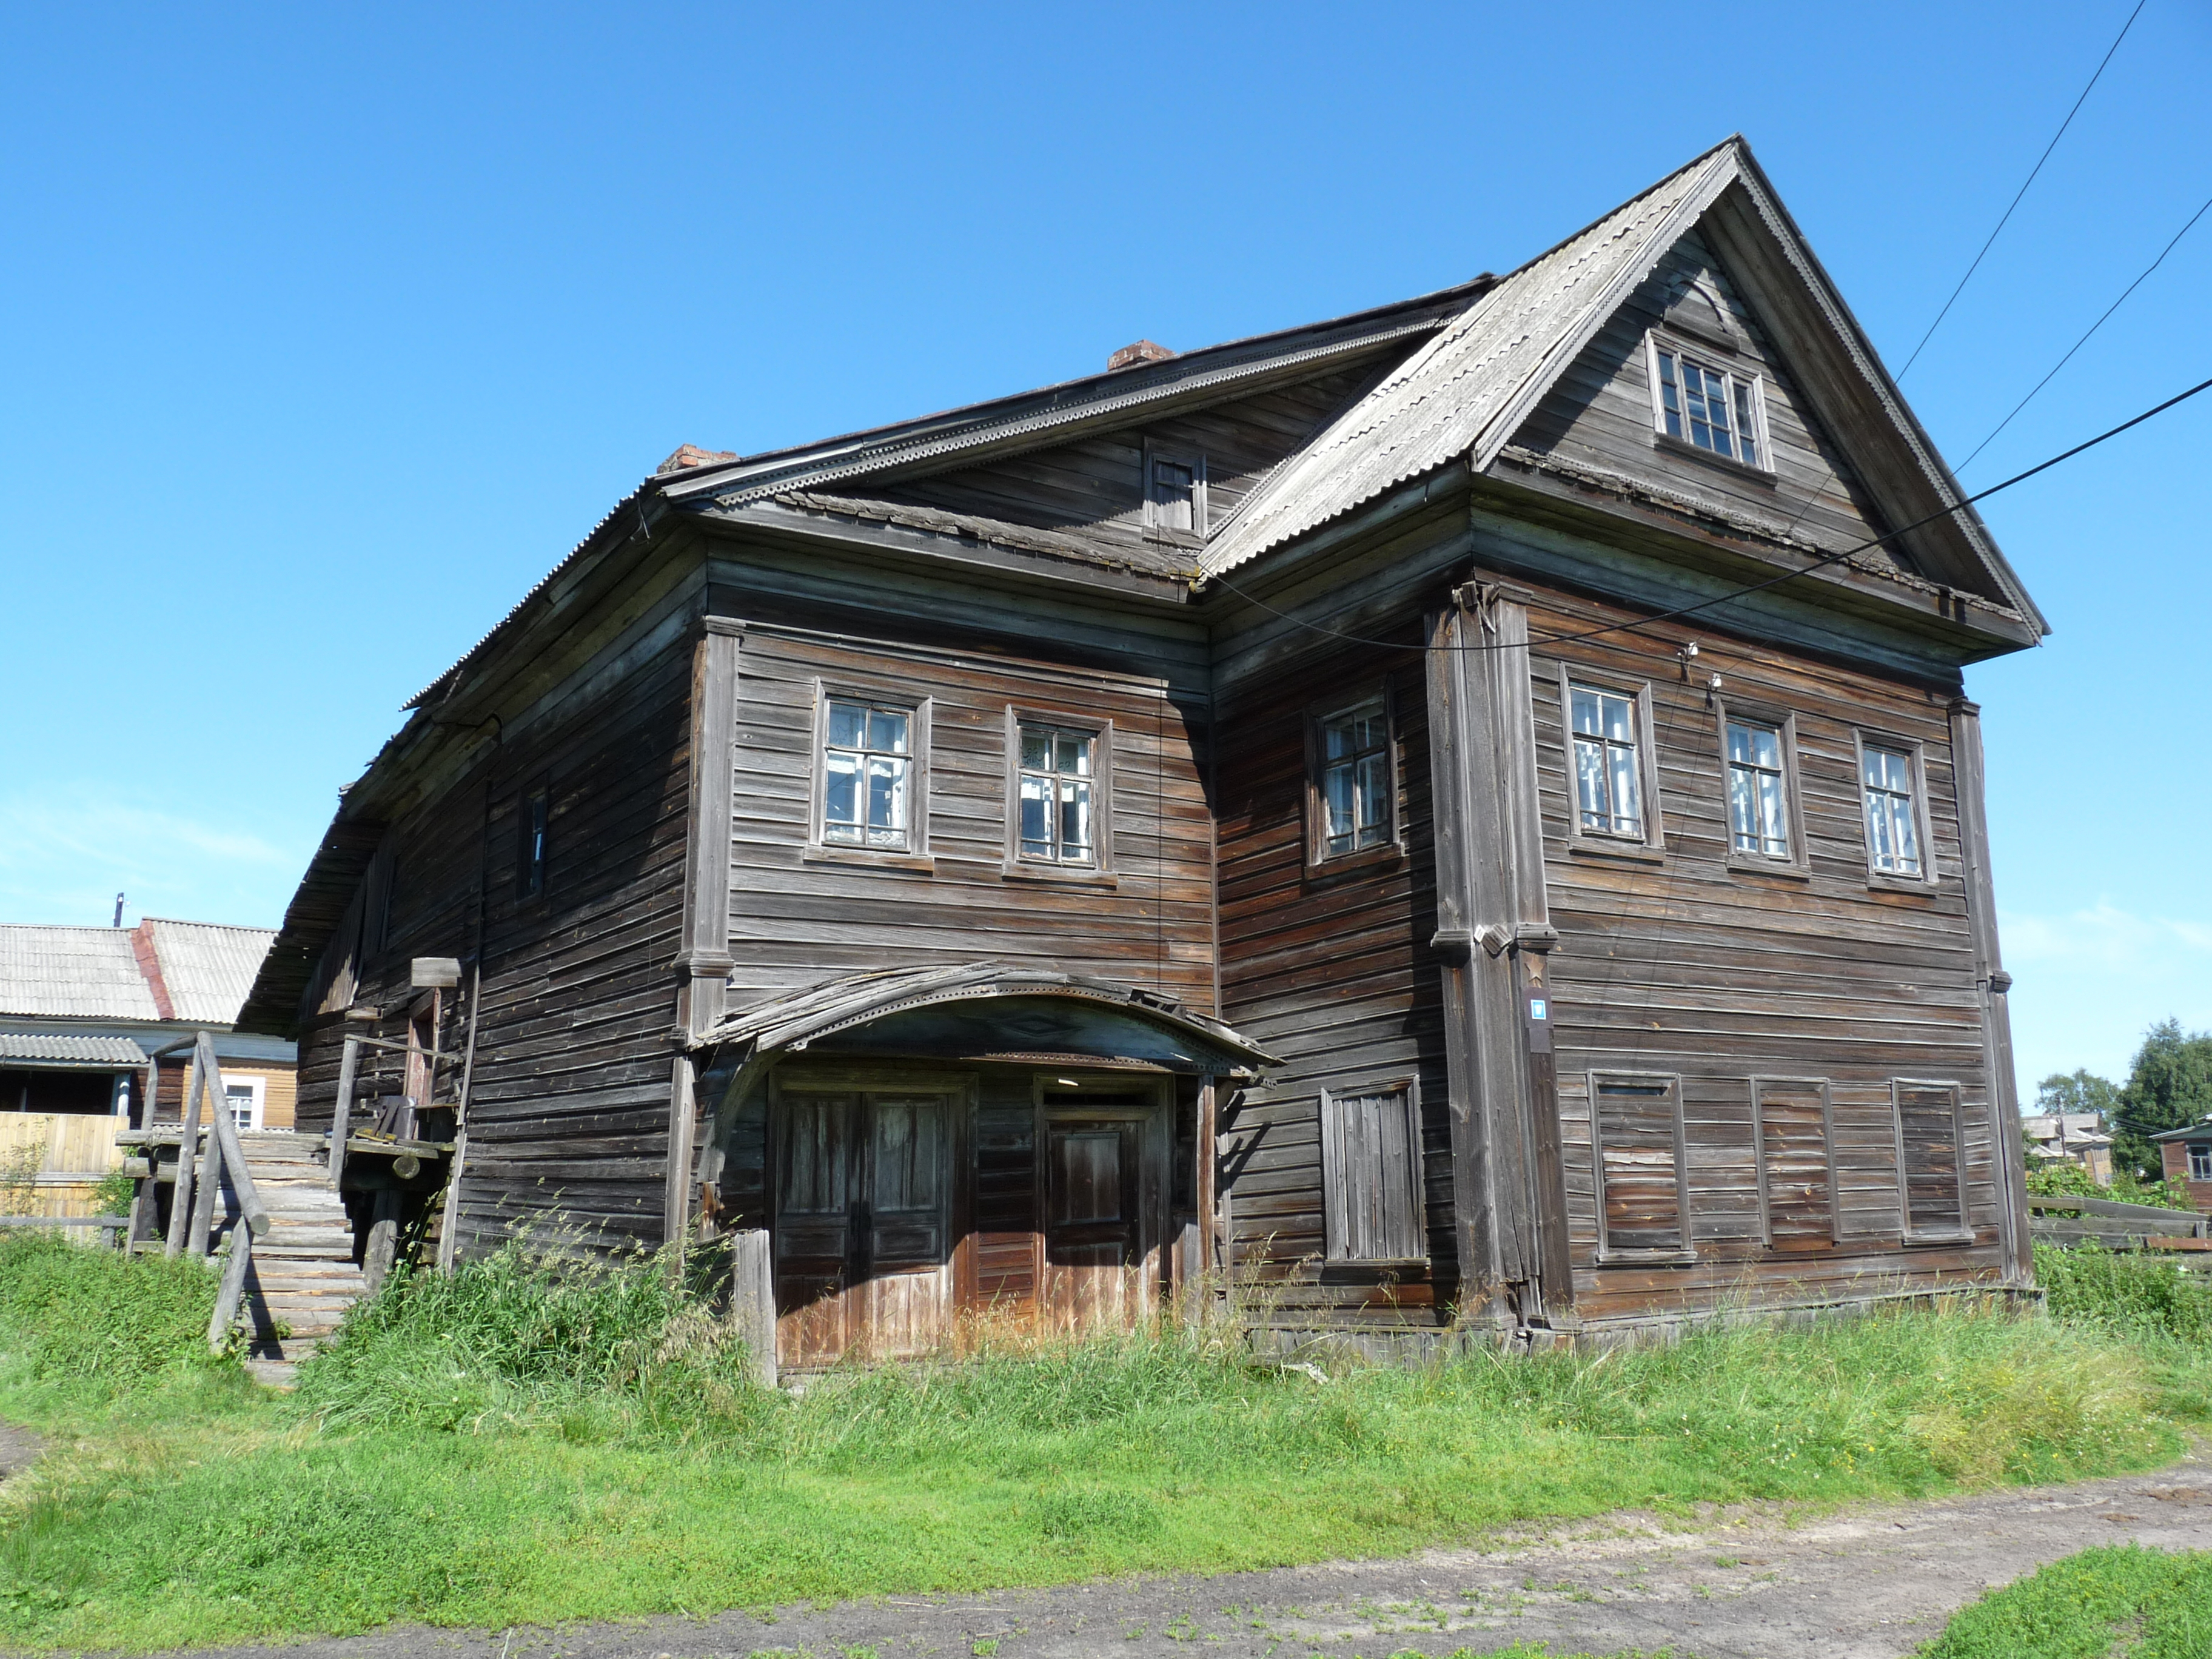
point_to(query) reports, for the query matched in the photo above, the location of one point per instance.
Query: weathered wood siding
(796, 919)
(1328, 968)
(1599, 416)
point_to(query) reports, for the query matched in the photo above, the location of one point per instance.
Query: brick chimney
(687, 456)
(1145, 351)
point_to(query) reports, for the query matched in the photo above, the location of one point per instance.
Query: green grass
(504, 1447)
(2146, 1604)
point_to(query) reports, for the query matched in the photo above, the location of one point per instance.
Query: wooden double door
(864, 1185)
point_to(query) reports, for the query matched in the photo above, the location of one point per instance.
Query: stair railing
(223, 1155)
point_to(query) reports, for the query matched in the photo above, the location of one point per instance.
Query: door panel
(1095, 1246)
(863, 1211)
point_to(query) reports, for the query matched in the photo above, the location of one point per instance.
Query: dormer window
(1174, 495)
(1698, 401)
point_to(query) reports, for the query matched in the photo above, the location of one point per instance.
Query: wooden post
(188, 1135)
(251, 1212)
(232, 1288)
(342, 1113)
(752, 1299)
(677, 1194)
(448, 1222)
(382, 1241)
(208, 1183)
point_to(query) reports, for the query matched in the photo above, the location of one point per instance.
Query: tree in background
(2169, 1085)
(2082, 1090)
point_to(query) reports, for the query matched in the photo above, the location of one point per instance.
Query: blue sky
(328, 330)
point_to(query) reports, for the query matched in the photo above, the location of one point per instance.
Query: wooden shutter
(1797, 1173)
(1371, 1205)
(1636, 1128)
(1927, 1158)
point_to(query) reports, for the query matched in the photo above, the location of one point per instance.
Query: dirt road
(1865, 1584)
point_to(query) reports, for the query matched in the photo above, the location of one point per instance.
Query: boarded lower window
(1796, 1170)
(1928, 1159)
(1636, 1125)
(1371, 1203)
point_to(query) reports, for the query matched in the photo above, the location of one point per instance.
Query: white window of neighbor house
(867, 773)
(2200, 1161)
(1054, 794)
(1710, 407)
(243, 1096)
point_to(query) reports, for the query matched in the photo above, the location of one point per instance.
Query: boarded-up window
(1928, 1159)
(1371, 1175)
(1636, 1125)
(1796, 1172)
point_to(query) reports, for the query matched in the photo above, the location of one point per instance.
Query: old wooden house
(1460, 817)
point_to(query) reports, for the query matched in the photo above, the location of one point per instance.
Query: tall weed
(2130, 1293)
(104, 1324)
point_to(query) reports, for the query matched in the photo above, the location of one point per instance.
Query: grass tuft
(2146, 1603)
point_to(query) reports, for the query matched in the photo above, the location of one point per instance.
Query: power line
(2046, 156)
(2092, 329)
(1824, 561)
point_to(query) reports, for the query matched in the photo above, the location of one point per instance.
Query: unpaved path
(1739, 1583)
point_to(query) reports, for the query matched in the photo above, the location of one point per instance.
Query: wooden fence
(2183, 1234)
(54, 1161)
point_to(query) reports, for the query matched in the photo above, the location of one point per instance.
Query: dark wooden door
(1094, 1243)
(863, 1259)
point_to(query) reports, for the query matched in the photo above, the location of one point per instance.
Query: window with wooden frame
(1174, 495)
(1641, 1166)
(532, 822)
(1612, 768)
(1758, 770)
(1894, 794)
(1796, 1163)
(1060, 793)
(1706, 404)
(1372, 1206)
(1931, 1172)
(2200, 1160)
(1352, 778)
(871, 773)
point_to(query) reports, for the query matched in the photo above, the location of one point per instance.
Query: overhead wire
(2037, 169)
(2091, 330)
(1642, 622)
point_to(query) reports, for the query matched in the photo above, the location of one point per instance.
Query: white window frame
(1099, 868)
(914, 853)
(1915, 754)
(256, 1086)
(1710, 360)
(1783, 722)
(1318, 716)
(2198, 1160)
(1652, 845)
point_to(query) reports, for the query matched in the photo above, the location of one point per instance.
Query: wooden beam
(752, 1300)
(180, 1200)
(449, 1218)
(207, 1182)
(232, 1289)
(342, 1113)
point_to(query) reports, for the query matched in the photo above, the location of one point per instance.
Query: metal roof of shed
(86, 972)
(44, 1049)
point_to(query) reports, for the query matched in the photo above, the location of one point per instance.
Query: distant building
(2075, 1138)
(95, 1029)
(2187, 1153)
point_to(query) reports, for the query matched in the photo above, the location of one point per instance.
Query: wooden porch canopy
(982, 1011)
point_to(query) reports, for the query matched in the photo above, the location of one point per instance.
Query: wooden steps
(303, 1276)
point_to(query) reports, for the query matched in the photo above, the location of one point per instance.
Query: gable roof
(1466, 392)
(96, 973)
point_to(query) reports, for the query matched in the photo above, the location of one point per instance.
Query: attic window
(1174, 495)
(1695, 401)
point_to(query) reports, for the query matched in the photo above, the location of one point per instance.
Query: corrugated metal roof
(1462, 390)
(206, 967)
(43, 1047)
(86, 972)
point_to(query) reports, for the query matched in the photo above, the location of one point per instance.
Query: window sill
(1953, 1236)
(1626, 852)
(1668, 444)
(1389, 855)
(870, 859)
(1877, 881)
(1646, 1258)
(1753, 864)
(1058, 875)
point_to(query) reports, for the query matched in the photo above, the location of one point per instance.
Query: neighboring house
(2186, 1155)
(2072, 1138)
(1247, 814)
(94, 1023)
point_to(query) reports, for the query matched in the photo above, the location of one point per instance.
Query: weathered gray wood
(232, 1287)
(752, 1300)
(180, 1200)
(676, 1196)
(383, 1246)
(449, 1231)
(341, 1113)
(2148, 1217)
(207, 1182)
(251, 1209)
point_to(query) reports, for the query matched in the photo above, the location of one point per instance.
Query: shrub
(89, 1315)
(2057, 1178)
(2127, 1291)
